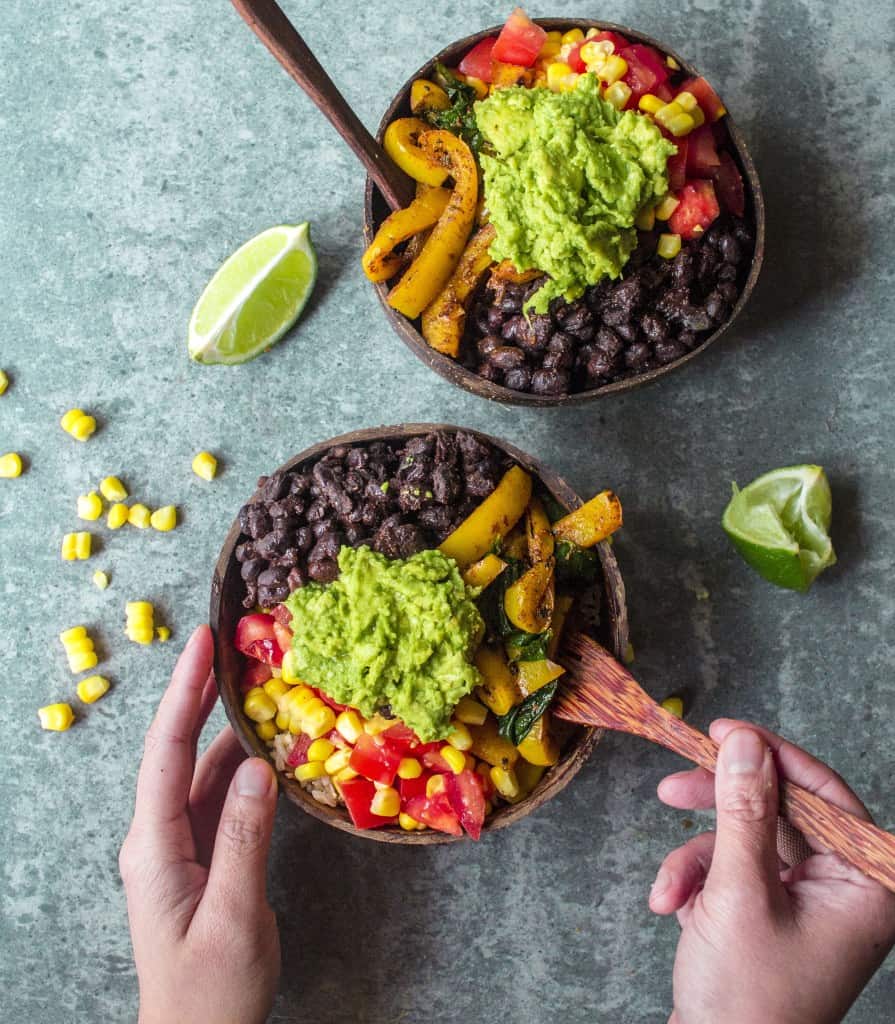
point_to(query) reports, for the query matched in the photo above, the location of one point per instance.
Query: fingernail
(253, 778)
(743, 752)
(661, 884)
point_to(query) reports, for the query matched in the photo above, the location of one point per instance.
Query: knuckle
(245, 835)
(747, 803)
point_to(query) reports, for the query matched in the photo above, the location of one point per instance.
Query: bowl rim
(470, 381)
(556, 778)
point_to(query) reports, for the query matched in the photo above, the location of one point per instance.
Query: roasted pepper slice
(498, 689)
(528, 602)
(505, 271)
(444, 320)
(493, 519)
(429, 272)
(426, 95)
(484, 572)
(538, 532)
(380, 261)
(400, 143)
(539, 746)
(532, 675)
(594, 521)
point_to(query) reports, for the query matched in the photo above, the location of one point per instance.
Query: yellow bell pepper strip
(484, 572)
(400, 143)
(528, 602)
(489, 746)
(538, 532)
(426, 95)
(532, 675)
(539, 746)
(492, 519)
(429, 272)
(380, 261)
(444, 320)
(594, 521)
(505, 271)
(498, 689)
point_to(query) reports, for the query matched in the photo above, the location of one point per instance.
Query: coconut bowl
(226, 610)
(376, 210)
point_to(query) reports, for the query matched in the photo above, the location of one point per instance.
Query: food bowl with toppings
(587, 215)
(388, 610)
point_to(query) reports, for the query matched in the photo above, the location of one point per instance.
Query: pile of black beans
(660, 310)
(397, 497)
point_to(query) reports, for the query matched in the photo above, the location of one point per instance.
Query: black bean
(422, 444)
(357, 458)
(304, 538)
(518, 379)
(322, 526)
(730, 249)
(609, 342)
(316, 511)
(601, 364)
(274, 543)
(445, 484)
(254, 520)
(514, 328)
(297, 578)
(694, 318)
(580, 323)
(628, 331)
(728, 292)
(245, 551)
(327, 546)
(716, 307)
(488, 371)
(274, 487)
(560, 352)
(494, 319)
(324, 571)
(688, 339)
(507, 357)
(252, 568)
(436, 518)
(272, 587)
(549, 382)
(727, 273)
(668, 351)
(637, 355)
(682, 270)
(654, 327)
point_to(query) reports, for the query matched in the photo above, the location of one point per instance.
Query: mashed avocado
(568, 175)
(399, 633)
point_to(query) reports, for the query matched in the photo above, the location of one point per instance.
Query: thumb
(237, 876)
(746, 802)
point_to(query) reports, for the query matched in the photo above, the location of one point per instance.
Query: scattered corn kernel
(56, 717)
(646, 219)
(317, 722)
(275, 688)
(78, 424)
(90, 506)
(377, 724)
(682, 124)
(470, 711)
(310, 770)
(461, 737)
(70, 636)
(455, 759)
(290, 673)
(672, 63)
(435, 785)
(205, 465)
(560, 77)
(574, 35)
(675, 705)
(294, 700)
(409, 768)
(667, 207)
(407, 823)
(668, 246)
(112, 489)
(505, 782)
(10, 465)
(266, 730)
(258, 706)
(337, 761)
(118, 516)
(686, 100)
(101, 579)
(345, 775)
(78, 649)
(618, 94)
(282, 721)
(698, 116)
(350, 725)
(320, 749)
(164, 519)
(595, 52)
(4, 382)
(140, 624)
(139, 515)
(163, 634)
(92, 688)
(386, 803)
(650, 104)
(612, 69)
(76, 546)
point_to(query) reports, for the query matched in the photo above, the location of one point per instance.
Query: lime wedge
(780, 524)
(255, 297)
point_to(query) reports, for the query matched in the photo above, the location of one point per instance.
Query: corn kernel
(668, 246)
(288, 668)
(320, 749)
(295, 725)
(345, 775)
(139, 515)
(92, 688)
(100, 579)
(163, 519)
(68, 548)
(83, 645)
(645, 219)
(560, 76)
(596, 52)
(140, 626)
(163, 634)
(698, 116)
(310, 770)
(574, 35)
(139, 610)
(282, 721)
(337, 760)
(112, 489)
(554, 36)
(275, 688)
(294, 701)
(629, 650)
(10, 465)
(70, 418)
(350, 725)
(612, 69)
(461, 737)
(140, 634)
(4, 382)
(56, 717)
(409, 768)
(266, 730)
(318, 721)
(205, 465)
(90, 506)
(407, 823)
(78, 424)
(686, 100)
(470, 711)
(617, 94)
(83, 543)
(505, 782)
(455, 759)
(550, 48)
(681, 124)
(386, 803)
(667, 207)
(675, 705)
(377, 724)
(258, 706)
(70, 636)
(82, 661)
(672, 63)
(650, 104)
(435, 785)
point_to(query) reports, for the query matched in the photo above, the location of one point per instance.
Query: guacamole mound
(399, 633)
(566, 177)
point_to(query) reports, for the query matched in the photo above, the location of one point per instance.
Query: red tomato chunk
(464, 791)
(520, 40)
(477, 63)
(702, 153)
(256, 638)
(256, 673)
(729, 186)
(436, 812)
(358, 796)
(697, 209)
(706, 97)
(375, 758)
(646, 70)
(299, 752)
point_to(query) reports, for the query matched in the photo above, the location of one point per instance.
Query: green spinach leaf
(528, 646)
(518, 722)
(459, 118)
(576, 565)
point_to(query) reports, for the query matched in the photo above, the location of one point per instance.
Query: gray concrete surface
(142, 144)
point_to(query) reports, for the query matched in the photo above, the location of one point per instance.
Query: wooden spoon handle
(861, 843)
(273, 28)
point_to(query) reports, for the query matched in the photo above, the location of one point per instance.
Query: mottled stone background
(142, 143)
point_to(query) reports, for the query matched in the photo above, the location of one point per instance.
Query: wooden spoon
(601, 692)
(276, 31)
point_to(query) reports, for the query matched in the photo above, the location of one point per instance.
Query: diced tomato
(664, 92)
(697, 209)
(256, 673)
(619, 42)
(706, 97)
(422, 748)
(467, 798)
(702, 155)
(520, 40)
(434, 761)
(334, 704)
(729, 186)
(282, 614)
(646, 70)
(409, 788)
(283, 635)
(299, 752)
(477, 63)
(358, 795)
(574, 59)
(255, 637)
(436, 812)
(402, 738)
(375, 758)
(677, 165)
